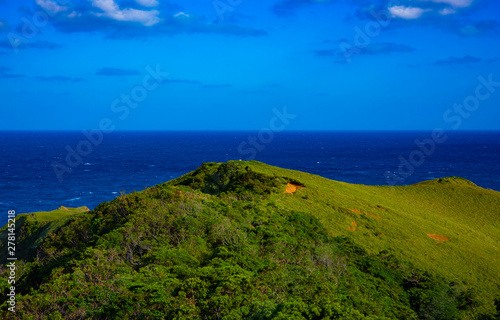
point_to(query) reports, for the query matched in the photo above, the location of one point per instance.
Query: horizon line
(251, 130)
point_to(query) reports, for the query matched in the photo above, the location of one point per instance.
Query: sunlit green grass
(46, 222)
(451, 207)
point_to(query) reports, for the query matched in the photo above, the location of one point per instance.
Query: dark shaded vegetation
(213, 178)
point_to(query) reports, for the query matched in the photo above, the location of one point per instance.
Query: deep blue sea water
(128, 161)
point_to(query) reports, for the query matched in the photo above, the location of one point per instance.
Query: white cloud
(406, 12)
(456, 3)
(148, 3)
(181, 14)
(113, 11)
(447, 11)
(51, 6)
(105, 5)
(74, 14)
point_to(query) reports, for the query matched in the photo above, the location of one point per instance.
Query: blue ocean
(42, 171)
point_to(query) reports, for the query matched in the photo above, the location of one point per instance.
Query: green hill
(245, 240)
(33, 228)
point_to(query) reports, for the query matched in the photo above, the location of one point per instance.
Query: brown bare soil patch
(292, 188)
(372, 215)
(364, 212)
(354, 225)
(437, 237)
(63, 207)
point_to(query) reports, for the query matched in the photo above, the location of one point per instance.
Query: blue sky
(231, 64)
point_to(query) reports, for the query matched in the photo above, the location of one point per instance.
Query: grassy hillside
(245, 240)
(400, 219)
(33, 228)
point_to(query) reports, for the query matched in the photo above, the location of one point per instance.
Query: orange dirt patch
(87, 209)
(63, 207)
(437, 237)
(372, 215)
(354, 225)
(292, 188)
(364, 212)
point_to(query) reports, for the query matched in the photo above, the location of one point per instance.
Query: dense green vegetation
(226, 242)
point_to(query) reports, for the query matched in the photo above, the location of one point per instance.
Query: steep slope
(33, 228)
(248, 240)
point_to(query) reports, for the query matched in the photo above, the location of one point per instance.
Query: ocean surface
(45, 170)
